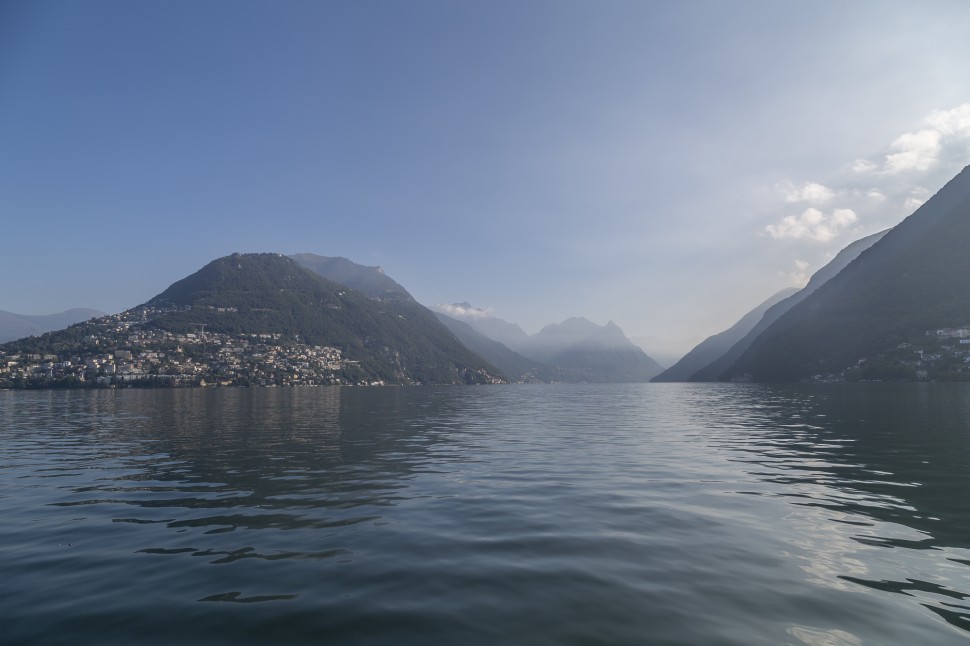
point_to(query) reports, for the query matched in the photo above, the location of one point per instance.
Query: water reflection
(879, 474)
(223, 460)
(541, 515)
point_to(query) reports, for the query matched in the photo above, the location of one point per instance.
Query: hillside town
(120, 350)
(941, 354)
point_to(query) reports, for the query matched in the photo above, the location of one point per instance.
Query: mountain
(664, 350)
(713, 371)
(508, 334)
(915, 278)
(597, 353)
(575, 350)
(16, 326)
(717, 345)
(512, 365)
(369, 281)
(270, 296)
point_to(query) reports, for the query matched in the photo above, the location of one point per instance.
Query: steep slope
(715, 346)
(508, 334)
(713, 371)
(370, 281)
(16, 326)
(916, 278)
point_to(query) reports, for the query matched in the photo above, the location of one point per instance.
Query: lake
(555, 514)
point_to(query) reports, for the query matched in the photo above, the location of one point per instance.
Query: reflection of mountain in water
(298, 458)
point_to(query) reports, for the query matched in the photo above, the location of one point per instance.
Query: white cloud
(917, 151)
(811, 192)
(943, 131)
(813, 224)
(463, 311)
(912, 203)
(864, 166)
(799, 275)
(878, 190)
(951, 123)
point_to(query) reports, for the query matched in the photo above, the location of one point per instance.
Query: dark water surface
(634, 514)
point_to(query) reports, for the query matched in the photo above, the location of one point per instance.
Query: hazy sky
(667, 165)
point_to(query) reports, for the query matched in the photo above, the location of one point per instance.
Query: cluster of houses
(950, 333)
(117, 350)
(942, 354)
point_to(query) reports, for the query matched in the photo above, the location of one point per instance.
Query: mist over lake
(546, 514)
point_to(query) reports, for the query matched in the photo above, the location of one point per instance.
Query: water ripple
(667, 513)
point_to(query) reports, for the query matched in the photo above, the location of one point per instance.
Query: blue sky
(666, 165)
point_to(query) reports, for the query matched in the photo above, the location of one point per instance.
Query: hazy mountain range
(574, 350)
(16, 326)
(864, 315)
(381, 330)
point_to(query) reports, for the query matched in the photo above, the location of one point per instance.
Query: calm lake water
(573, 514)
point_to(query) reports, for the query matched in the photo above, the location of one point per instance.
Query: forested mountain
(16, 326)
(916, 278)
(713, 371)
(715, 346)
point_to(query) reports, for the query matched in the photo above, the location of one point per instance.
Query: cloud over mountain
(464, 310)
(813, 224)
(870, 193)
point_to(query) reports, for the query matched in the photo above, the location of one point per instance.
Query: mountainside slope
(512, 365)
(714, 370)
(916, 278)
(715, 346)
(369, 281)
(508, 334)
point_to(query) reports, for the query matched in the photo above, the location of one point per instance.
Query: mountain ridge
(370, 281)
(717, 345)
(714, 370)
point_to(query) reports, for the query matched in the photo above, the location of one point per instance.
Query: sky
(664, 165)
